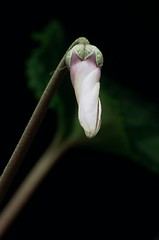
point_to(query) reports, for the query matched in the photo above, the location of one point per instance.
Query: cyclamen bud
(84, 63)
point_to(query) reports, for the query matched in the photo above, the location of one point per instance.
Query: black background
(87, 194)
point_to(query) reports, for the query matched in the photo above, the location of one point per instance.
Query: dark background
(87, 194)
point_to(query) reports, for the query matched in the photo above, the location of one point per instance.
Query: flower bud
(84, 63)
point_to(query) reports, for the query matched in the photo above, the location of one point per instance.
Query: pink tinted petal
(85, 80)
(80, 67)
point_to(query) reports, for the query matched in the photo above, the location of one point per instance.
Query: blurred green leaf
(51, 46)
(129, 122)
(112, 137)
(141, 120)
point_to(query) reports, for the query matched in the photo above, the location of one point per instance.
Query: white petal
(85, 76)
(89, 112)
(85, 79)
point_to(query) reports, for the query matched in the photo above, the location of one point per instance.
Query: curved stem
(31, 182)
(33, 125)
